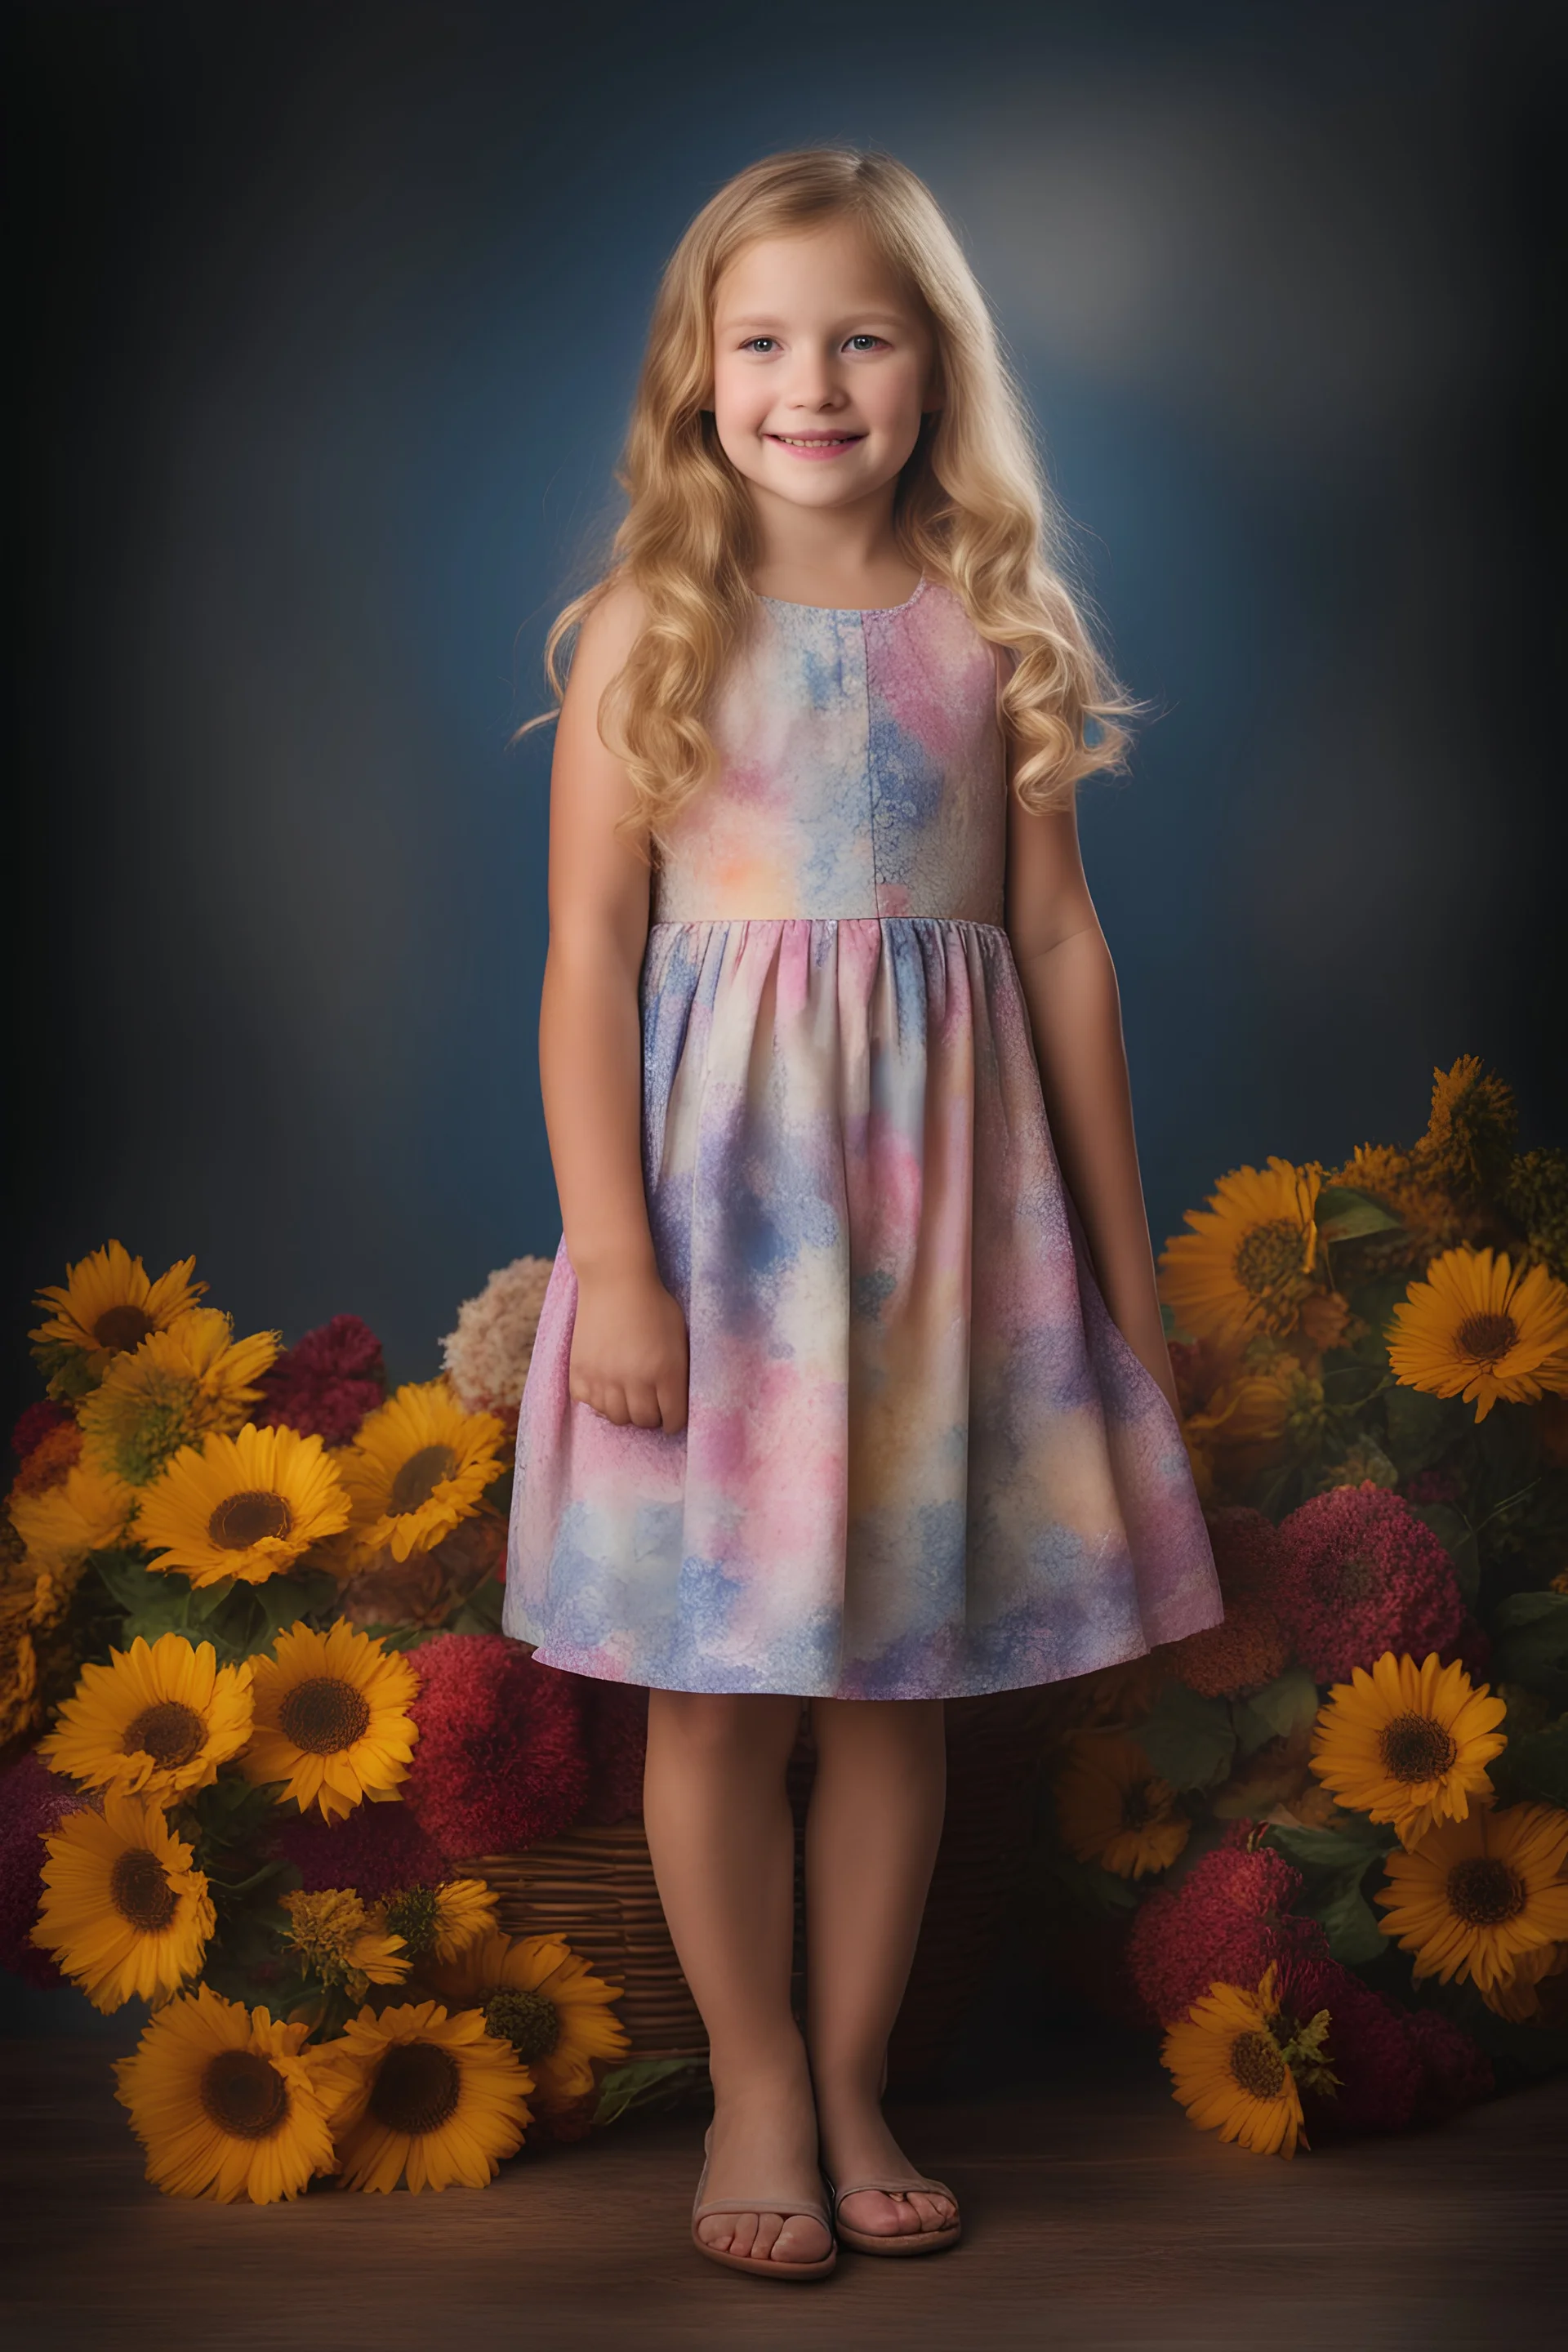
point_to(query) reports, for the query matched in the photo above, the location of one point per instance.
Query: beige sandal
(920, 2241)
(759, 2265)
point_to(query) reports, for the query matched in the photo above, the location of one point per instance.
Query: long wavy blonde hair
(972, 506)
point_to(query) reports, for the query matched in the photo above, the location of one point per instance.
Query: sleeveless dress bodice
(918, 1459)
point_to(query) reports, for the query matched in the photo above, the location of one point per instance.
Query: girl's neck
(848, 558)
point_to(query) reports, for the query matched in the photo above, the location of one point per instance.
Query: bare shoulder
(608, 636)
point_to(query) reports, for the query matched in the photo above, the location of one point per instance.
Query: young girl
(850, 1385)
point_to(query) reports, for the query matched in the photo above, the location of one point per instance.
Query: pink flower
(614, 1721)
(325, 1385)
(36, 1424)
(1368, 2045)
(501, 1760)
(376, 1850)
(1246, 1549)
(1358, 1574)
(1455, 2075)
(1230, 1915)
(32, 1801)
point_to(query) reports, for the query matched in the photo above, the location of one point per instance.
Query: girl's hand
(629, 1356)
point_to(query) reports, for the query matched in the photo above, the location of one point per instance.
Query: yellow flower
(1468, 1142)
(336, 1940)
(1247, 1264)
(331, 1718)
(123, 1912)
(1229, 2072)
(427, 2096)
(246, 1506)
(418, 1464)
(226, 2104)
(1479, 1329)
(1112, 1807)
(18, 1661)
(1518, 1997)
(108, 1304)
(541, 1997)
(89, 1512)
(1476, 1895)
(158, 1720)
(1428, 1220)
(438, 1923)
(171, 1390)
(1408, 1744)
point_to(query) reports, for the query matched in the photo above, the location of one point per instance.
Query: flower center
(122, 1328)
(417, 2088)
(420, 1475)
(244, 2094)
(1485, 1338)
(1256, 2062)
(1138, 1806)
(324, 1715)
(413, 1916)
(1267, 1255)
(241, 1520)
(1485, 1892)
(171, 1733)
(1414, 1747)
(1358, 1577)
(140, 1891)
(529, 2023)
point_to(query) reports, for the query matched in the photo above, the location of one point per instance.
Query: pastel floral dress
(920, 1459)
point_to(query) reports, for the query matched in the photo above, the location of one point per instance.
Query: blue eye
(866, 339)
(753, 341)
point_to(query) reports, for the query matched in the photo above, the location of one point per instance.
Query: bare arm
(1075, 1011)
(628, 1345)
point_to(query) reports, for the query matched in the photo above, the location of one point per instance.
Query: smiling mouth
(816, 444)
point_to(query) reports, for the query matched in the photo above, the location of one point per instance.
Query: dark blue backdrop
(336, 315)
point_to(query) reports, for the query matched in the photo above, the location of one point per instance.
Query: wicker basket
(596, 1887)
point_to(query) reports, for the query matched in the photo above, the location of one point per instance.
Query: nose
(814, 382)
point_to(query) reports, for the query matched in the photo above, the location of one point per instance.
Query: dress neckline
(848, 612)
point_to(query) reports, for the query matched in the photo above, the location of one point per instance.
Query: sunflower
(122, 1912)
(418, 1466)
(441, 1923)
(1230, 2071)
(427, 2096)
(1429, 1221)
(1475, 1896)
(336, 1940)
(1113, 1809)
(1519, 1996)
(1480, 1329)
(1247, 1264)
(108, 1305)
(90, 1511)
(541, 1997)
(1267, 1404)
(331, 1718)
(246, 1506)
(1408, 1744)
(158, 1720)
(1468, 1143)
(227, 2104)
(171, 1390)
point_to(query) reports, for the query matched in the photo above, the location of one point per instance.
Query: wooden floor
(1097, 2218)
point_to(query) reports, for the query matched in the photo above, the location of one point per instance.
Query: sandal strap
(894, 2188)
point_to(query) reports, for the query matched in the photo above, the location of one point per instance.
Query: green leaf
(1419, 1427)
(1348, 1920)
(129, 1583)
(1273, 1713)
(1537, 1766)
(1333, 1850)
(1530, 1631)
(1343, 1213)
(480, 1612)
(1458, 1538)
(1090, 1884)
(1189, 1740)
(646, 2083)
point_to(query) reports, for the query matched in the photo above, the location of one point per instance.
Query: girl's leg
(872, 1839)
(723, 1842)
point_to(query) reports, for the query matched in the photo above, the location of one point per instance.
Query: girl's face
(823, 365)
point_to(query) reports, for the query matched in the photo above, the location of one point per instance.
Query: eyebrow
(760, 320)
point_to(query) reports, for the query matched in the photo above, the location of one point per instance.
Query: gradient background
(330, 329)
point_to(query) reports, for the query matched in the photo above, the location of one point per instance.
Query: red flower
(325, 1385)
(32, 1801)
(376, 1850)
(501, 1760)
(36, 1423)
(1454, 2074)
(1246, 1549)
(1368, 2045)
(615, 1726)
(1248, 1650)
(1359, 1574)
(1223, 1924)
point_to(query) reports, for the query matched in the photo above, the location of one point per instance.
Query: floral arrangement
(1323, 1845)
(250, 1600)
